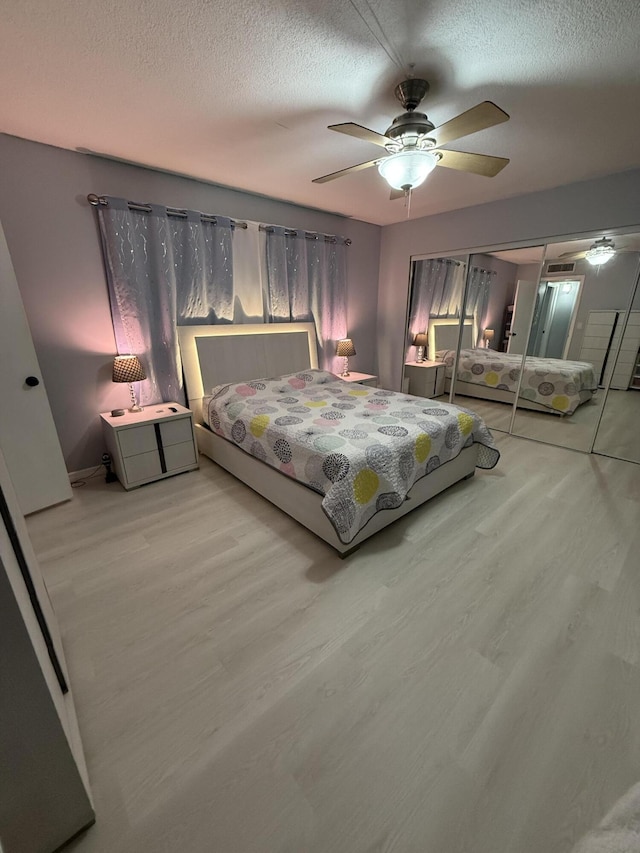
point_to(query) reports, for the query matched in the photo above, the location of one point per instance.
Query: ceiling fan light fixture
(601, 252)
(407, 169)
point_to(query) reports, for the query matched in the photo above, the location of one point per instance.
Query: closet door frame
(634, 291)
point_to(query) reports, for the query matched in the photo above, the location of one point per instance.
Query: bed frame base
(498, 395)
(304, 505)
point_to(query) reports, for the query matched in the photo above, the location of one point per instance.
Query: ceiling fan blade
(477, 164)
(570, 256)
(357, 168)
(394, 194)
(484, 115)
(352, 129)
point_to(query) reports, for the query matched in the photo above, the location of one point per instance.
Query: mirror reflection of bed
(567, 316)
(590, 303)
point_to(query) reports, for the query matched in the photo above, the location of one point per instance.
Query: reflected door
(552, 320)
(526, 292)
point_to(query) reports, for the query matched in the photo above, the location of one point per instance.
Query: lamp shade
(489, 334)
(420, 340)
(407, 169)
(345, 347)
(127, 368)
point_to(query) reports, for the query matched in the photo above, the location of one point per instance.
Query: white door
(43, 769)
(526, 292)
(28, 437)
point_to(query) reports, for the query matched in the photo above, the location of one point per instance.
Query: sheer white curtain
(165, 270)
(306, 282)
(436, 291)
(477, 301)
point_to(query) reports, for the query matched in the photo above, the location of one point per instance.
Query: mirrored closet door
(500, 294)
(619, 429)
(435, 302)
(578, 309)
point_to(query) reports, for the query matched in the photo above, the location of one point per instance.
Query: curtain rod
(310, 235)
(96, 200)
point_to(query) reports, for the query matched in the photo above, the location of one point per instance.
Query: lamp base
(419, 355)
(345, 369)
(134, 407)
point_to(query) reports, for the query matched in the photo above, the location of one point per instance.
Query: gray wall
(609, 202)
(54, 244)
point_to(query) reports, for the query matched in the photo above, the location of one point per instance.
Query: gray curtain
(163, 271)
(306, 282)
(435, 292)
(478, 299)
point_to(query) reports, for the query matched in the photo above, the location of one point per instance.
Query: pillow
(301, 379)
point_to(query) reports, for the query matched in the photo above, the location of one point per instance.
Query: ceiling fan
(599, 253)
(413, 143)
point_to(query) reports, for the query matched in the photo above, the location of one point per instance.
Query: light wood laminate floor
(619, 430)
(467, 682)
(573, 431)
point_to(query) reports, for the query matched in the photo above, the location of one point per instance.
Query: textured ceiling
(241, 93)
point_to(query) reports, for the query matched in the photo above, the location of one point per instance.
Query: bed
(550, 385)
(343, 432)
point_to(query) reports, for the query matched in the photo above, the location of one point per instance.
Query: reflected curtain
(306, 282)
(478, 300)
(163, 271)
(436, 292)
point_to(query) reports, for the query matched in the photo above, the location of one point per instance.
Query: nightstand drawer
(176, 431)
(143, 466)
(179, 455)
(138, 439)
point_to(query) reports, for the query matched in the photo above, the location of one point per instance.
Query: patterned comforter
(552, 382)
(362, 448)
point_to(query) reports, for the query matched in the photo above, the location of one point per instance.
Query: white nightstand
(157, 442)
(362, 378)
(426, 378)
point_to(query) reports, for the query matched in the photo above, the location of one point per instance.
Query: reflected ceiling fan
(413, 143)
(599, 253)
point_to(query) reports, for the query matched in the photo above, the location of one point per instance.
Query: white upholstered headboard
(443, 335)
(212, 355)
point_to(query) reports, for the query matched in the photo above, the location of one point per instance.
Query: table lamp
(345, 348)
(488, 337)
(420, 341)
(127, 368)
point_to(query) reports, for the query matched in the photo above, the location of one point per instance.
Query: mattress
(554, 383)
(361, 448)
